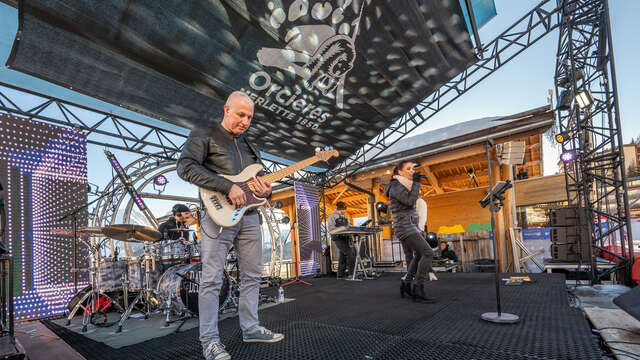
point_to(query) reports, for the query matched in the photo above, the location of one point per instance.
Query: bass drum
(181, 283)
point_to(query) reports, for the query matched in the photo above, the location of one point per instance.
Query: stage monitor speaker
(568, 216)
(630, 302)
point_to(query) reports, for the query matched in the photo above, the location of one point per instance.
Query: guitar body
(219, 206)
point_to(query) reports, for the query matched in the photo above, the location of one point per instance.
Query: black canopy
(322, 73)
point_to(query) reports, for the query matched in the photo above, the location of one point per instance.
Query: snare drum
(181, 284)
(110, 274)
(137, 278)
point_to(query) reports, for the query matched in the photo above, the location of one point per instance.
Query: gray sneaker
(262, 335)
(215, 351)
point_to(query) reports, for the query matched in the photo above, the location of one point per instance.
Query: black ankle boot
(405, 288)
(420, 295)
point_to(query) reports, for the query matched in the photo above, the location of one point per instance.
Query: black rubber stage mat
(368, 320)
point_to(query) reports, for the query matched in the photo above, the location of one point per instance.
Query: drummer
(171, 249)
(181, 215)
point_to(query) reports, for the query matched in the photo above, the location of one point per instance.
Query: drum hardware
(132, 233)
(145, 294)
(92, 297)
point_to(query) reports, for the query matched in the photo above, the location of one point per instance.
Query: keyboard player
(347, 257)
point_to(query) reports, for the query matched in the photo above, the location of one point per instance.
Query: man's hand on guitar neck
(260, 188)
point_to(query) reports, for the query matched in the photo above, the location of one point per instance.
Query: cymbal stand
(144, 293)
(93, 296)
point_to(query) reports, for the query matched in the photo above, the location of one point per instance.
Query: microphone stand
(73, 214)
(297, 280)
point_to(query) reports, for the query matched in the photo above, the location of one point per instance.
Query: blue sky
(520, 85)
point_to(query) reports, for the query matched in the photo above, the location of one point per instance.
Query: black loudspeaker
(569, 252)
(568, 216)
(630, 302)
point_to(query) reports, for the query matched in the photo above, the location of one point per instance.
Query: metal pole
(487, 147)
(614, 85)
(498, 317)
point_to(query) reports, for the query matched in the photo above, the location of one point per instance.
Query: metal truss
(103, 128)
(523, 33)
(596, 179)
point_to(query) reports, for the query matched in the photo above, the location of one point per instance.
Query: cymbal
(179, 229)
(132, 233)
(91, 230)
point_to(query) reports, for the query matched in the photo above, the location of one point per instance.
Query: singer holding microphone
(403, 191)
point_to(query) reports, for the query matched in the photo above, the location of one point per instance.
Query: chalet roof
(465, 133)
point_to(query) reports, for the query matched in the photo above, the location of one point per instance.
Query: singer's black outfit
(405, 219)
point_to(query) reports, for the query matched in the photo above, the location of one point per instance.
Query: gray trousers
(246, 236)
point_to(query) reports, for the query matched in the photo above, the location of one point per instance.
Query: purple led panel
(308, 220)
(44, 168)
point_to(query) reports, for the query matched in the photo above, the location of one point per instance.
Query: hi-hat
(132, 233)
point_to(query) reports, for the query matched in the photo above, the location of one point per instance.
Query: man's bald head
(238, 112)
(236, 96)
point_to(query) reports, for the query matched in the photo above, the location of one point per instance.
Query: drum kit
(165, 277)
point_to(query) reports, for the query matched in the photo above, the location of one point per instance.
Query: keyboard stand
(358, 267)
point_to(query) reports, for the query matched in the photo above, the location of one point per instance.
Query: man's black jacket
(212, 151)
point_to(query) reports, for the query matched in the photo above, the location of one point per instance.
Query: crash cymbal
(132, 233)
(91, 230)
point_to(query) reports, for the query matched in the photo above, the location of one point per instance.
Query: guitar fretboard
(275, 176)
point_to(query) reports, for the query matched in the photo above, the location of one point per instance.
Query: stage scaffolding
(595, 181)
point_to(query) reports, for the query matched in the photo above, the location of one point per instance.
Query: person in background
(447, 253)
(346, 259)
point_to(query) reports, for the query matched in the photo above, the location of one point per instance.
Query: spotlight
(277, 204)
(382, 207)
(285, 220)
(584, 99)
(568, 156)
(159, 183)
(160, 180)
(560, 138)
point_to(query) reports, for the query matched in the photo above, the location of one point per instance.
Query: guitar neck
(275, 176)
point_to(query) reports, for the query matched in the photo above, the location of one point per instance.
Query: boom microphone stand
(73, 214)
(495, 317)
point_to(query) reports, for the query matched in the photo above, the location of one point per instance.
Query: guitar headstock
(327, 153)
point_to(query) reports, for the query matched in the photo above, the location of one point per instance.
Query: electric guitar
(219, 206)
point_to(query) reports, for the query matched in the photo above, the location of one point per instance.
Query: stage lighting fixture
(560, 138)
(159, 183)
(584, 99)
(277, 204)
(382, 207)
(568, 156)
(285, 220)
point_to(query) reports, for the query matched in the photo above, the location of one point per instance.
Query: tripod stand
(95, 293)
(297, 279)
(146, 291)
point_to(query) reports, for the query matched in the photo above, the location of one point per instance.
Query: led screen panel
(43, 169)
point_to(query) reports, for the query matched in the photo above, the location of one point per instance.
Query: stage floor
(368, 320)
